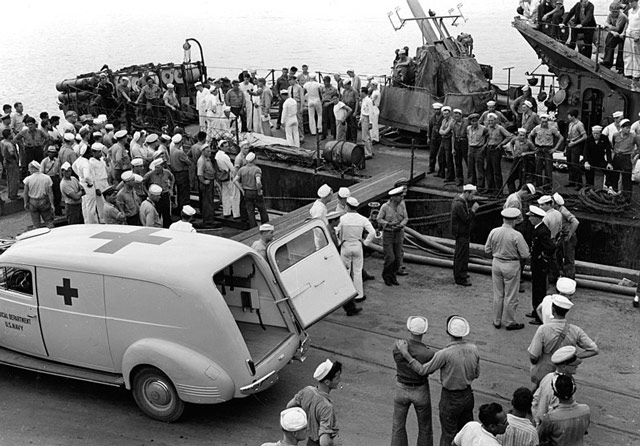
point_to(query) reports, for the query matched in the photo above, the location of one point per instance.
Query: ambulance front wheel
(156, 396)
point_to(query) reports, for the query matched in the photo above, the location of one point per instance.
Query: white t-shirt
(473, 434)
(313, 90)
(340, 111)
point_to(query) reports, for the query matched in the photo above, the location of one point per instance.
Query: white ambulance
(175, 317)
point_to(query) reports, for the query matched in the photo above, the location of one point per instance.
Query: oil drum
(192, 73)
(343, 153)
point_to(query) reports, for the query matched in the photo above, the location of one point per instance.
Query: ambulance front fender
(197, 379)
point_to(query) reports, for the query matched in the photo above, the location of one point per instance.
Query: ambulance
(174, 317)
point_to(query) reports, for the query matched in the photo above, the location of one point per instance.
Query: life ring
(153, 76)
(167, 76)
(177, 76)
(133, 82)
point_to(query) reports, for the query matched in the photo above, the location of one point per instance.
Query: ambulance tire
(156, 395)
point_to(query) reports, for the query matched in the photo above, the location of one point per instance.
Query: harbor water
(46, 42)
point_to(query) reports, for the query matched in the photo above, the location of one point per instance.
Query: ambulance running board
(26, 362)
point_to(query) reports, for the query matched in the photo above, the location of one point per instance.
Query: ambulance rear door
(309, 270)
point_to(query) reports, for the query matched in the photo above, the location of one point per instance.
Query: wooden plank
(366, 191)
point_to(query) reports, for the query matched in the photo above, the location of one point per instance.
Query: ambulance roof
(127, 251)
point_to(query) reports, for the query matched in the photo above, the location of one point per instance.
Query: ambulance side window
(16, 279)
(300, 247)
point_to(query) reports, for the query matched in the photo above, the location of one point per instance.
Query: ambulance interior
(245, 290)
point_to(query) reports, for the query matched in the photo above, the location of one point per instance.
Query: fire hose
(483, 266)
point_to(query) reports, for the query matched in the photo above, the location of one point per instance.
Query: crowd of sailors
(622, 26)
(334, 104)
(543, 413)
(106, 175)
(469, 148)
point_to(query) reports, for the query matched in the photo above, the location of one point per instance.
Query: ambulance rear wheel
(156, 396)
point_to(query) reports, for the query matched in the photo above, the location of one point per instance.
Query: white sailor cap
(137, 162)
(69, 136)
(510, 213)
(120, 134)
(170, 86)
(177, 138)
(156, 162)
(528, 104)
(617, 114)
(532, 188)
(97, 134)
(458, 327)
(469, 188)
(370, 77)
(565, 285)
(98, 146)
(52, 149)
(535, 210)
(353, 202)
(266, 227)
(250, 157)
(100, 119)
(396, 191)
(457, 110)
(558, 198)
(65, 166)
(344, 192)
(561, 301)
(137, 178)
(324, 191)
(126, 175)
(293, 419)
(564, 354)
(154, 189)
(625, 122)
(34, 165)
(151, 138)
(522, 130)
(188, 210)
(283, 91)
(545, 199)
(165, 137)
(491, 103)
(198, 84)
(322, 370)
(109, 126)
(417, 325)
(492, 115)
(596, 128)
(436, 105)
(526, 88)
(446, 107)
(78, 137)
